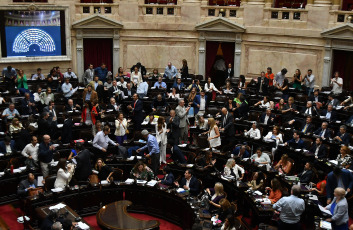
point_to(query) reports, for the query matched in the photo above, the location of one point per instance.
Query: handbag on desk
(35, 191)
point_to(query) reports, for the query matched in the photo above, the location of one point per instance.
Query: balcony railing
(225, 11)
(284, 14)
(159, 9)
(339, 16)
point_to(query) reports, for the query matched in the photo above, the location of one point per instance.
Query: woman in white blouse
(161, 135)
(214, 137)
(254, 132)
(232, 169)
(64, 174)
(47, 96)
(264, 103)
(210, 88)
(274, 135)
(136, 77)
(121, 128)
(173, 94)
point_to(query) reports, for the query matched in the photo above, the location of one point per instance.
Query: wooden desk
(115, 216)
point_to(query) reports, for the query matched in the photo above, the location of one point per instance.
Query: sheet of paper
(322, 209)
(325, 225)
(58, 206)
(39, 181)
(82, 225)
(129, 181)
(152, 183)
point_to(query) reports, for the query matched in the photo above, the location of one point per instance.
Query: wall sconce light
(222, 13)
(349, 19)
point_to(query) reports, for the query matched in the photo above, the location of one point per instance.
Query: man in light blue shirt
(10, 113)
(102, 140)
(153, 150)
(170, 71)
(67, 88)
(142, 90)
(291, 208)
(160, 84)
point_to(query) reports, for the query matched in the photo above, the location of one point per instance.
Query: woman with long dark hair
(275, 191)
(297, 79)
(161, 135)
(64, 174)
(184, 69)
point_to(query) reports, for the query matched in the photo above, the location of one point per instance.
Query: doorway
(97, 51)
(342, 62)
(218, 56)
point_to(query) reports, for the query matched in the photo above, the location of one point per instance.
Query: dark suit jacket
(110, 106)
(242, 111)
(312, 98)
(322, 150)
(157, 103)
(25, 107)
(349, 120)
(197, 101)
(229, 128)
(194, 185)
(133, 91)
(168, 180)
(309, 129)
(231, 73)
(332, 182)
(66, 134)
(306, 177)
(3, 147)
(51, 115)
(69, 109)
(44, 127)
(174, 129)
(138, 107)
(236, 151)
(333, 115)
(83, 168)
(175, 85)
(111, 91)
(299, 145)
(269, 121)
(345, 138)
(143, 69)
(264, 85)
(178, 155)
(23, 185)
(313, 111)
(327, 133)
(334, 102)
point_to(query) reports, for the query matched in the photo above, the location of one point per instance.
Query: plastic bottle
(11, 169)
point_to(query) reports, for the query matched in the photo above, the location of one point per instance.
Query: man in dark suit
(7, 142)
(114, 91)
(168, 178)
(323, 131)
(113, 105)
(342, 136)
(177, 154)
(332, 101)
(267, 118)
(178, 85)
(173, 126)
(295, 142)
(307, 128)
(329, 114)
(227, 127)
(141, 68)
(338, 174)
(83, 167)
(318, 149)
(189, 182)
(66, 133)
(242, 110)
(129, 92)
(26, 185)
(309, 110)
(229, 72)
(307, 174)
(137, 110)
(262, 84)
(159, 103)
(71, 107)
(28, 105)
(241, 152)
(315, 98)
(200, 102)
(52, 112)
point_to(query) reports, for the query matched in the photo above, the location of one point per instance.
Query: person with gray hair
(182, 113)
(291, 208)
(232, 169)
(153, 150)
(57, 226)
(339, 210)
(342, 136)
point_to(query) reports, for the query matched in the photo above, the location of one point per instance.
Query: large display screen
(33, 33)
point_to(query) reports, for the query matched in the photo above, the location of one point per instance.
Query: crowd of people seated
(272, 108)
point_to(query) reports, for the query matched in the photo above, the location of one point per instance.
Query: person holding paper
(189, 182)
(339, 210)
(153, 150)
(27, 185)
(104, 171)
(141, 172)
(291, 208)
(64, 174)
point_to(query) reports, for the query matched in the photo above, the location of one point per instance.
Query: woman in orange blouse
(275, 191)
(284, 165)
(270, 76)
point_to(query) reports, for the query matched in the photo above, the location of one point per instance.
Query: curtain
(342, 62)
(98, 50)
(211, 52)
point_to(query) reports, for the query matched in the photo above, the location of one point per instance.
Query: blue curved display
(33, 41)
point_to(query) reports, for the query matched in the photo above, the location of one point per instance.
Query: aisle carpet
(9, 214)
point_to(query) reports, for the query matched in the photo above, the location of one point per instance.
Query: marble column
(116, 51)
(79, 55)
(237, 55)
(202, 56)
(322, 2)
(327, 64)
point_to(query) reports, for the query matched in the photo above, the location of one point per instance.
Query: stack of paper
(266, 201)
(130, 158)
(58, 206)
(180, 190)
(324, 210)
(82, 225)
(57, 189)
(17, 171)
(55, 163)
(182, 145)
(333, 162)
(152, 183)
(129, 181)
(141, 181)
(258, 193)
(325, 225)
(104, 182)
(2, 173)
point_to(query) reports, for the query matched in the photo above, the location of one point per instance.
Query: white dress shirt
(31, 150)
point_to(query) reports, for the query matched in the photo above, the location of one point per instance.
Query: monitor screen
(33, 33)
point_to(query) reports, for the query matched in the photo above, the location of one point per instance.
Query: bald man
(45, 154)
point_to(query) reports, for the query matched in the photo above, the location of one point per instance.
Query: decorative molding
(79, 49)
(32, 7)
(344, 31)
(202, 50)
(327, 59)
(116, 49)
(220, 24)
(97, 21)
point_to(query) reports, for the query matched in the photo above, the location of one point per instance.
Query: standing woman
(190, 101)
(270, 76)
(241, 84)
(120, 73)
(121, 130)
(64, 174)
(297, 79)
(214, 137)
(339, 210)
(21, 81)
(184, 70)
(136, 77)
(47, 96)
(161, 135)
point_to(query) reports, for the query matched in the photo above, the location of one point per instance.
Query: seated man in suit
(323, 132)
(307, 174)
(178, 85)
(114, 91)
(329, 114)
(168, 178)
(195, 84)
(342, 136)
(159, 103)
(28, 105)
(241, 152)
(308, 127)
(200, 103)
(53, 115)
(318, 149)
(267, 118)
(113, 105)
(71, 107)
(309, 110)
(128, 91)
(26, 185)
(332, 101)
(189, 182)
(295, 142)
(316, 99)
(7, 146)
(262, 84)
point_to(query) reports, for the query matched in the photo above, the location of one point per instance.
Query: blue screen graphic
(33, 41)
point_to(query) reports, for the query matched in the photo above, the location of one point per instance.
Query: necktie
(224, 120)
(304, 130)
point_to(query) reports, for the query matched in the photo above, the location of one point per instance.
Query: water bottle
(11, 169)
